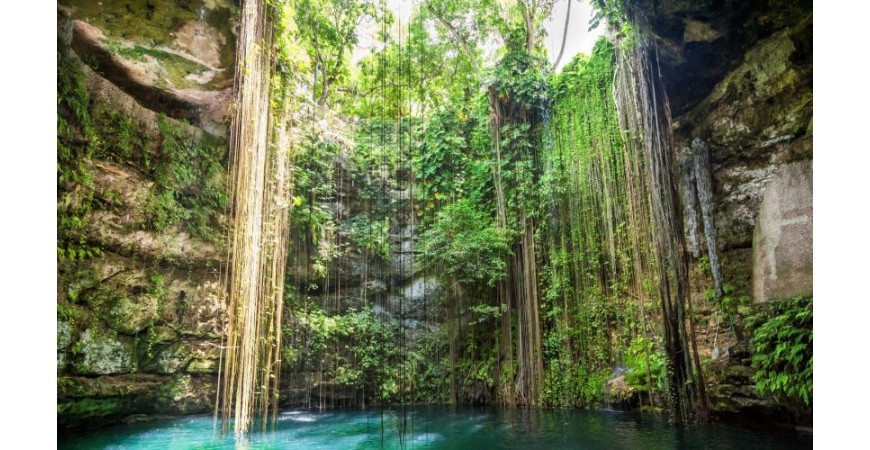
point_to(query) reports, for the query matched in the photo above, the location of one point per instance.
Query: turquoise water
(444, 428)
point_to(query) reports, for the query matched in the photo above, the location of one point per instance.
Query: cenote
(445, 428)
(301, 210)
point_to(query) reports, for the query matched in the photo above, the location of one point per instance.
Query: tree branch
(462, 41)
(564, 37)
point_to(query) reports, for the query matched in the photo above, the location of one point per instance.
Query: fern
(783, 351)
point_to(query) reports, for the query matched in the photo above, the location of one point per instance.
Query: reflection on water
(444, 428)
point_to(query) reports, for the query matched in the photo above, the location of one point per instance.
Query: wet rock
(118, 398)
(618, 393)
(186, 394)
(86, 409)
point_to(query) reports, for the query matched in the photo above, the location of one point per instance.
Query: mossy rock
(90, 408)
(203, 366)
(100, 352)
(131, 315)
(185, 37)
(174, 57)
(163, 335)
(739, 375)
(186, 394)
(64, 334)
(170, 360)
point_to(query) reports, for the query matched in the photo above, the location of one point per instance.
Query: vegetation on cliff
(435, 220)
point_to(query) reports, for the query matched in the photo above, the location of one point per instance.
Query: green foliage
(375, 362)
(158, 287)
(187, 174)
(521, 78)
(487, 313)
(327, 29)
(67, 313)
(467, 243)
(368, 235)
(782, 351)
(611, 11)
(645, 356)
(76, 135)
(593, 293)
(729, 303)
(571, 385)
(443, 155)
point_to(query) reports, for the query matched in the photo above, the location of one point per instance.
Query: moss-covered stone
(64, 334)
(90, 408)
(127, 288)
(170, 359)
(101, 352)
(186, 394)
(130, 315)
(156, 23)
(739, 375)
(163, 335)
(174, 57)
(203, 366)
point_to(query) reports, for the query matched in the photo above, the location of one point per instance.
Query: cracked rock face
(140, 321)
(104, 354)
(174, 57)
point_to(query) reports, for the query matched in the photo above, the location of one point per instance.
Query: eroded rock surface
(140, 313)
(174, 58)
(783, 241)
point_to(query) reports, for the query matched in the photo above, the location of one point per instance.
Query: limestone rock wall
(755, 121)
(783, 240)
(139, 313)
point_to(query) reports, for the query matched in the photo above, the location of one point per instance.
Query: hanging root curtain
(259, 186)
(643, 109)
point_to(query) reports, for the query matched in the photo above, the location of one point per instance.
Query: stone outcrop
(783, 241)
(701, 41)
(739, 78)
(175, 58)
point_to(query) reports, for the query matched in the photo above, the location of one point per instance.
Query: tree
(328, 29)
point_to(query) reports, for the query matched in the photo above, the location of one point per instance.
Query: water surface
(445, 428)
